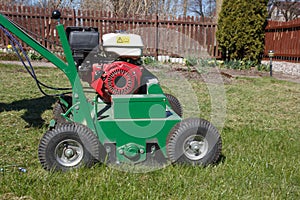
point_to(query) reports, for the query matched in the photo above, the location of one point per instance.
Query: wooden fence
(162, 35)
(284, 39)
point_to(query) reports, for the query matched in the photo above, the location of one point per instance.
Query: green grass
(260, 145)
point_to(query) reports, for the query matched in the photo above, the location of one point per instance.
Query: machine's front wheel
(194, 141)
(69, 146)
(175, 104)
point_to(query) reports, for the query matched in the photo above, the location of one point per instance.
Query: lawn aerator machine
(128, 119)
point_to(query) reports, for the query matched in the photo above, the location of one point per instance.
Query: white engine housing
(123, 44)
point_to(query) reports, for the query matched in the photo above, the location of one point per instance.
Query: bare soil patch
(229, 75)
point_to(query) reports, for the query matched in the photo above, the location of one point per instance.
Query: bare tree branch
(288, 8)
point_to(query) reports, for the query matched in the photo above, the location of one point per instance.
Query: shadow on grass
(34, 109)
(221, 159)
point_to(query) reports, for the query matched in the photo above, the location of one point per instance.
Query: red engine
(115, 78)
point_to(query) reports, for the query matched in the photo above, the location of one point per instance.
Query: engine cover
(116, 78)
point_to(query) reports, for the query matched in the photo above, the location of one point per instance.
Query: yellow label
(123, 39)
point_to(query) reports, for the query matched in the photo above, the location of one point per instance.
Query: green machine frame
(129, 123)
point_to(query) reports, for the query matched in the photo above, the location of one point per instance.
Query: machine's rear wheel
(69, 146)
(60, 108)
(175, 104)
(194, 141)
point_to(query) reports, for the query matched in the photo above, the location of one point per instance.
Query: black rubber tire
(175, 104)
(60, 108)
(180, 148)
(83, 142)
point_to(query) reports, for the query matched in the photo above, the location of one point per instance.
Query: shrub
(241, 29)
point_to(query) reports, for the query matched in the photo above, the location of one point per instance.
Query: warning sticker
(123, 39)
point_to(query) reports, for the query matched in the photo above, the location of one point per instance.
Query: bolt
(108, 149)
(195, 146)
(153, 149)
(76, 96)
(142, 151)
(77, 107)
(69, 153)
(121, 151)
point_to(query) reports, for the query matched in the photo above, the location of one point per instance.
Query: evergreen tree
(241, 26)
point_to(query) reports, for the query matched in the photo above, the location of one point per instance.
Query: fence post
(156, 36)
(74, 17)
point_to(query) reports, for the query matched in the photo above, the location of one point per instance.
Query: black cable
(30, 69)
(32, 72)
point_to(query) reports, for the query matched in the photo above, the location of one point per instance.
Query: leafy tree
(241, 27)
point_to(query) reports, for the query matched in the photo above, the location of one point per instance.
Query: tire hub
(69, 153)
(195, 147)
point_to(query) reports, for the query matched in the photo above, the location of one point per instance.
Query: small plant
(190, 61)
(149, 60)
(263, 67)
(248, 64)
(207, 62)
(203, 65)
(233, 64)
(33, 55)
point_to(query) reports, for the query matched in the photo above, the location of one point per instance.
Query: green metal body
(129, 123)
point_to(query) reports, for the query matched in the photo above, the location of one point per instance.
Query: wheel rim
(195, 147)
(69, 153)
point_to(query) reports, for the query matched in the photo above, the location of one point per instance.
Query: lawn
(260, 157)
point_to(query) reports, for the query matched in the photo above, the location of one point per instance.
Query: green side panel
(139, 106)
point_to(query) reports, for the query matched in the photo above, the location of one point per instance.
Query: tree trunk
(218, 8)
(185, 6)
